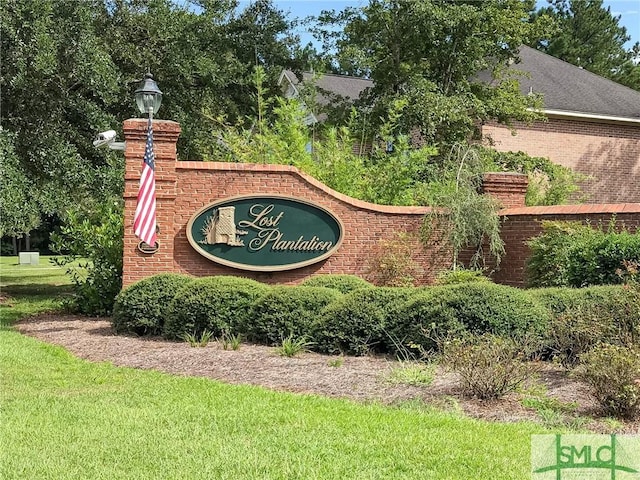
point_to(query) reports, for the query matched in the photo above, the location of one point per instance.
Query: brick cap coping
(605, 208)
(270, 168)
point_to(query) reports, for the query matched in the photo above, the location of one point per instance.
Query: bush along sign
(265, 233)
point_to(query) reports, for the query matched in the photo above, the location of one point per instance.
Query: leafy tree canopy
(586, 34)
(429, 55)
(69, 69)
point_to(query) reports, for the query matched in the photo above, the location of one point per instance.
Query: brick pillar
(136, 264)
(509, 188)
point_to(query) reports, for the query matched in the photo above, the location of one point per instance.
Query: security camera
(105, 138)
(108, 138)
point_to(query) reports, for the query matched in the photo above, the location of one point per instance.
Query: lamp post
(148, 96)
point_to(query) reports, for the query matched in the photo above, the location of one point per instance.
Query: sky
(629, 11)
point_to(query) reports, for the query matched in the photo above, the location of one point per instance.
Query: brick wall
(185, 187)
(608, 153)
(521, 224)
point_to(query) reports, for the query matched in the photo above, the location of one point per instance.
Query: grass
(194, 340)
(412, 373)
(65, 418)
(31, 289)
(291, 346)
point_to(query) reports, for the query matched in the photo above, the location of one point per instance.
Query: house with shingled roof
(592, 125)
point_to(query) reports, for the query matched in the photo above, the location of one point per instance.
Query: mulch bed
(362, 379)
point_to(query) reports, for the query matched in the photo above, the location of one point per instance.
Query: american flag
(144, 222)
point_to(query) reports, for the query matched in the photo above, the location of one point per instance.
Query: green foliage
(56, 63)
(460, 275)
(283, 137)
(218, 304)
(489, 366)
(287, 312)
(585, 317)
(462, 217)
(572, 254)
(19, 212)
(230, 341)
(577, 331)
(340, 282)
(549, 183)
(476, 307)
(612, 372)
(141, 308)
(418, 374)
(391, 263)
(629, 72)
(292, 346)
(423, 54)
(96, 236)
(356, 323)
(586, 34)
(78, 62)
(201, 340)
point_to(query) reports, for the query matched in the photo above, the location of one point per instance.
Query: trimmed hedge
(460, 275)
(475, 307)
(559, 299)
(287, 311)
(585, 317)
(356, 323)
(218, 304)
(342, 283)
(576, 255)
(142, 307)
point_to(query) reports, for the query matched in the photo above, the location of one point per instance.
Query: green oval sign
(264, 233)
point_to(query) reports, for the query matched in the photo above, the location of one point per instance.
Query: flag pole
(148, 98)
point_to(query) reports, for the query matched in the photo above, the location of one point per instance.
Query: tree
(429, 54)
(18, 209)
(586, 34)
(57, 81)
(463, 218)
(629, 72)
(69, 69)
(202, 54)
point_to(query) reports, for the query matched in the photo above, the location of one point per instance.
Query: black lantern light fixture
(148, 96)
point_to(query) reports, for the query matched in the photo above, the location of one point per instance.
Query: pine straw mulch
(363, 379)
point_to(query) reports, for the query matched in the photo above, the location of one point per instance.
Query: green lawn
(31, 288)
(65, 418)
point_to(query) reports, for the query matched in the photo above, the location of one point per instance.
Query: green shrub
(287, 311)
(342, 283)
(476, 307)
(613, 373)
(576, 331)
(94, 235)
(577, 255)
(391, 262)
(356, 323)
(142, 307)
(218, 304)
(460, 275)
(292, 346)
(597, 259)
(421, 321)
(489, 366)
(585, 317)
